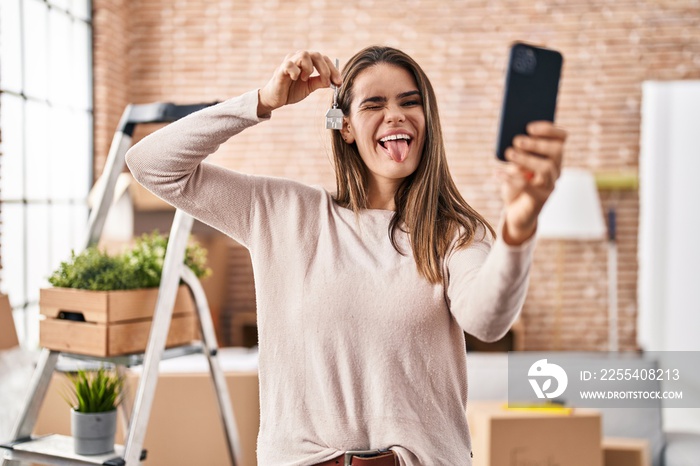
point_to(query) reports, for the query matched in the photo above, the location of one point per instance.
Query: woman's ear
(346, 132)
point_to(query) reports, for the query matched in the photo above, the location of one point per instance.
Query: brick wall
(111, 25)
(1, 174)
(200, 51)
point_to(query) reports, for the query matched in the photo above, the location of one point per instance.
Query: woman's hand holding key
(292, 81)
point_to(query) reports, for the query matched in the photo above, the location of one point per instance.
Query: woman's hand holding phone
(294, 80)
(528, 138)
(528, 180)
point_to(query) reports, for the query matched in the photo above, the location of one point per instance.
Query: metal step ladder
(57, 449)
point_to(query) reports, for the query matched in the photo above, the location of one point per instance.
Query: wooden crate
(116, 322)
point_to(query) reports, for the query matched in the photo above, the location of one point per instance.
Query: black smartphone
(532, 84)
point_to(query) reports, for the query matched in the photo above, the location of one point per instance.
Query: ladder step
(58, 450)
(68, 362)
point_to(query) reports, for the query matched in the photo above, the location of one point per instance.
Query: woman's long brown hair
(428, 201)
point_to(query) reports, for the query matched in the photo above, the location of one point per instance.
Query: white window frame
(46, 157)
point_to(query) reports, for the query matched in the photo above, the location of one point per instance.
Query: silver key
(334, 115)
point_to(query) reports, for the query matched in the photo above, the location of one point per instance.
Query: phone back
(532, 83)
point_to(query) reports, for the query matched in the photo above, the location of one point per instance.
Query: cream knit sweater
(357, 350)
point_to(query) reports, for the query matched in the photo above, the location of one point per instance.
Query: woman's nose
(394, 114)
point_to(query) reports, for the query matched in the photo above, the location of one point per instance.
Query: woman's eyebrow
(378, 99)
(407, 94)
(375, 99)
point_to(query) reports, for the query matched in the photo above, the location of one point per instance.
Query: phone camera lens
(524, 61)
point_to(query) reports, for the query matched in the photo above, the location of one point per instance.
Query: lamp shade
(573, 210)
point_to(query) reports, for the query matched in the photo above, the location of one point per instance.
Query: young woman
(362, 295)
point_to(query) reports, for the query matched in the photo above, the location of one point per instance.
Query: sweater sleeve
(487, 285)
(169, 163)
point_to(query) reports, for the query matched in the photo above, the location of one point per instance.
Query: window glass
(11, 163)
(81, 9)
(62, 162)
(38, 249)
(35, 41)
(81, 77)
(37, 150)
(80, 152)
(79, 218)
(10, 41)
(62, 234)
(60, 57)
(61, 4)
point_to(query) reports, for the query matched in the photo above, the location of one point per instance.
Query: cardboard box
(504, 437)
(8, 334)
(184, 426)
(618, 451)
(215, 286)
(115, 322)
(244, 329)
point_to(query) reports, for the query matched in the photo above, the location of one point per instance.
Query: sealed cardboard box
(618, 451)
(218, 246)
(507, 437)
(8, 335)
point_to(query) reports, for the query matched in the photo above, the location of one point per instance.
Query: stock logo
(546, 372)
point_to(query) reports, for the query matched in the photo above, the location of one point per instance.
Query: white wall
(669, 233)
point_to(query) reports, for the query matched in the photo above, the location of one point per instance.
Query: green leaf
(96, 391)
(138, 267)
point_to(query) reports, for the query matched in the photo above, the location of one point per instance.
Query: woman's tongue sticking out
(398, 149)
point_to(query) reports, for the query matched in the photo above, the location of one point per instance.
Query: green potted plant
(138, 266)
(102, 304)
(94, 397)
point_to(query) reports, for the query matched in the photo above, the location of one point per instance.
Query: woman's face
(387, 122)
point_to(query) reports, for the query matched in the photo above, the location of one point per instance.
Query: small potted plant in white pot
(94, 397)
